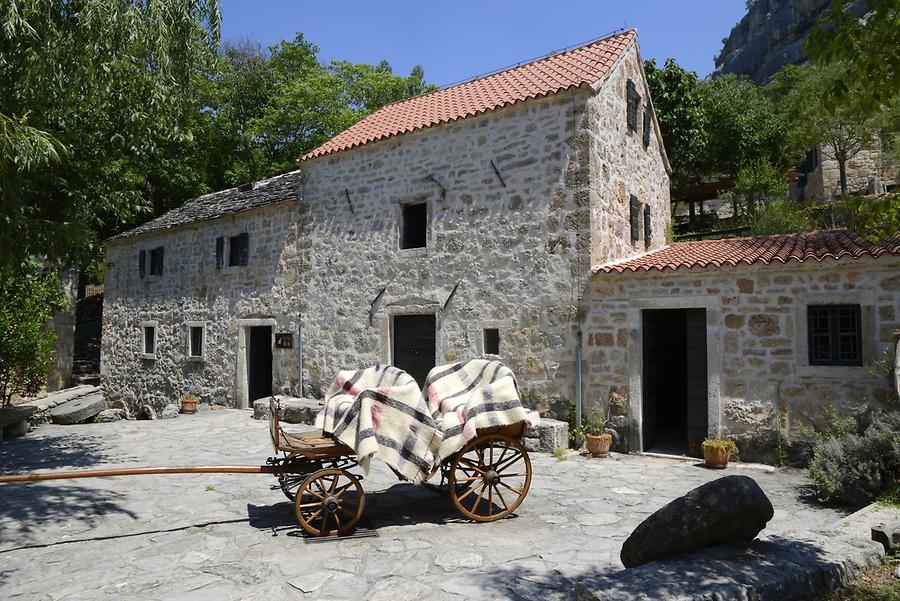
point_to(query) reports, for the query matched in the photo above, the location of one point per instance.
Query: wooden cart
(487, 479)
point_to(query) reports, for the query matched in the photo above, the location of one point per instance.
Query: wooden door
(414, 344)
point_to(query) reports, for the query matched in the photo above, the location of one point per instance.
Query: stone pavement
(223, 536)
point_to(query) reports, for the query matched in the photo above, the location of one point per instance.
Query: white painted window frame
(202, 356)
(143, 339)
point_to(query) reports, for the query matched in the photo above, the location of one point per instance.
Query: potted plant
(189, 403)
(593, 429)
(717, 452)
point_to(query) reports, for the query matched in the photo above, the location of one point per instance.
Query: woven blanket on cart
(380, 412)
(464, 397)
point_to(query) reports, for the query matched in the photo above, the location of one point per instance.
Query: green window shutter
(648, 227)
(243, 248)
(635, 208)
(142, 262)
(220, 252)
(632, 105)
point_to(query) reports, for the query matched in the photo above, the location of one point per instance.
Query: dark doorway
(259, 363)
(414, 344)
(674, 377)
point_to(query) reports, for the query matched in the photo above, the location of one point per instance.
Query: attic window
(415, 226)
(491, 341)
(633, 102)
(238, 250)
(156, 260)
(635, 212)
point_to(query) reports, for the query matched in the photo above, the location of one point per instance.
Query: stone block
(111, 415)
(764, 325)
(78, 410)
(293, 410)
(887, 536)
(547, 436)
(170, 411)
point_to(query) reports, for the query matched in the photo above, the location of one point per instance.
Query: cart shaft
(144, 471)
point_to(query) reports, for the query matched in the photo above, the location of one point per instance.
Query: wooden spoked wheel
(329, 502)
(490, 477)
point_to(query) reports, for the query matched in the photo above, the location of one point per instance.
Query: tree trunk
(842, 167)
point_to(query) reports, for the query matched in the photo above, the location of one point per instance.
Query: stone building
(750, 338)
(454, 224)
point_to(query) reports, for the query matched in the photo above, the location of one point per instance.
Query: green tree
(92, 90)
(678, 102)
(841, 130)
(28, 299)
(870, 46)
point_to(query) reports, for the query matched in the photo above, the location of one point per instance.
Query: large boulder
(730, 509)
(79, 410)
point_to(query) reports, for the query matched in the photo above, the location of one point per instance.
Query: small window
(148, 342)
(491, 341)
(635, 218)
(220, 252)
(834, 335)
(156, 260)
(648, 227)
(415, 225)
(633, 101)
(142, 262)
(238, 249)
(647, 125)
(195, 341)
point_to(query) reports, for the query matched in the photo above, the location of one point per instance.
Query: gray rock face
(730, 509)
(79, 410)
(111, 415)
(170, 411)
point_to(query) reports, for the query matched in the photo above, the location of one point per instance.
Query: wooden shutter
(635, 208)
(142, 262)
(632, 105)
(220, 252)
(159, 260)
(647, 125)
(243, 248)
(648, 227)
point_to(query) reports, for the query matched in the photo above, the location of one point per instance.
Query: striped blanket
(380, 412)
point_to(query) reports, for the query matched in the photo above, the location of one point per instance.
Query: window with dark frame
(238, 249)
(414, 226)
(196, 342)
(634, 208)
(155, 256)
(491, 341)
(834, 335)
(149, 340)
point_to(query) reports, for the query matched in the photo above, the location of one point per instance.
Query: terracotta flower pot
(188, 406)
(716, 458)
(598, 444)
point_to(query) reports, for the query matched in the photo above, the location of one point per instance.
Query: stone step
(547, 436)
(294, 410)
(53, 399)
(78, 410)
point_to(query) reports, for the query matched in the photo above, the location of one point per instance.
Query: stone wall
(520, 201)
(760, 382)
(191, 289)
(824, 182)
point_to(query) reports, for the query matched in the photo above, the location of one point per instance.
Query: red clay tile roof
(812, 246)
(572, 68)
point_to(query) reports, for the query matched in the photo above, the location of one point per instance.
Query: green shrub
(781, 217)
(852, 468)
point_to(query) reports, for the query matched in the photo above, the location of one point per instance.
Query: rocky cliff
(770, 36)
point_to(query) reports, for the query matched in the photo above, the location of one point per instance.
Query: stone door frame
(241, 382)
(635, 353)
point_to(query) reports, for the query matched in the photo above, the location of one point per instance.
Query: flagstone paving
(222, 536)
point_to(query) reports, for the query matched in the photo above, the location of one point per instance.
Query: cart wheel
(329, 502)
(490, 477)
(289, 484)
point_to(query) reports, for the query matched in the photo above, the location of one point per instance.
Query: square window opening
(415, 226)
(238, 249)
(155, 255)
(834, 335)
(196, 341)
(491, 341)
(149, 340)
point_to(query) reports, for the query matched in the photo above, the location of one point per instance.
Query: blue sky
(461, 39)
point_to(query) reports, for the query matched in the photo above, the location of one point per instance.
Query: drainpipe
(578, 380)
(300, 355)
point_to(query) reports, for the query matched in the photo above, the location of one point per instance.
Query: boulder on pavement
(293, 410)
(111, 415)
(170, 411)
(79, 410)
(730, 509)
